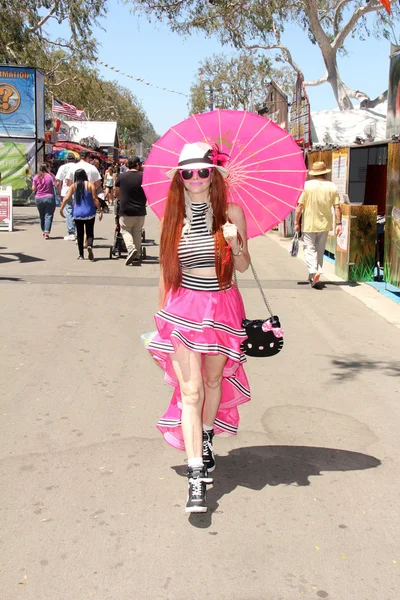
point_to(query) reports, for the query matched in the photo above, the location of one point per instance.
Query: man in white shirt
(91, 171)
(62, 188)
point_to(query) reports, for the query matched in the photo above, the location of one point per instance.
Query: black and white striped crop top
(196, 248)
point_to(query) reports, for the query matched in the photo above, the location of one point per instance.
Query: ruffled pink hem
(209, 323)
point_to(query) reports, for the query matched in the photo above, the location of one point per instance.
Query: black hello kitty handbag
(264, 336)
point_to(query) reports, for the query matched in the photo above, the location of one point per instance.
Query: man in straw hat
(315, 206)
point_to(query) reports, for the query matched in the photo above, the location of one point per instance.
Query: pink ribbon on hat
(217, 157)
(277, 331)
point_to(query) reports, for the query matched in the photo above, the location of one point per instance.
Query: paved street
(306, 497)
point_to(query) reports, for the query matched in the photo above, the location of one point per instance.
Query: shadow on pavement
(356, 365)
(6, 257)
(324, 284)
(256, 467)
(26, 220)
(11, 279)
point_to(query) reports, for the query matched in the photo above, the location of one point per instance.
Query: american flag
(68, 110)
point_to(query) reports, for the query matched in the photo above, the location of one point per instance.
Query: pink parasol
(267, 170)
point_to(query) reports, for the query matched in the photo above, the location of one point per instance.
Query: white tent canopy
(105, 132)
(342, 127)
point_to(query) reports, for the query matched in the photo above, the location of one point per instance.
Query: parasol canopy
(267, 170)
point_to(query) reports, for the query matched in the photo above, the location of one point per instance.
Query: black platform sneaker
(197, 494)
(208, 451)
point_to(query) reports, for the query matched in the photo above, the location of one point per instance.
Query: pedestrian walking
(199, 322)
(85, 203)
(131, 208)
(45, 198)
(110, 182)
(91, 171)
(85, 164)
(315, 209)
(62, 188)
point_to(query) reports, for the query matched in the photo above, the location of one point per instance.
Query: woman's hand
(62, 213)
(100, 215)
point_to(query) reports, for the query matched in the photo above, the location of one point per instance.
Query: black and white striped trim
(225, 426)
(204, 348)
(239, 386)
(169, 422)
(199, 326)
(200, 284)
(165, 347)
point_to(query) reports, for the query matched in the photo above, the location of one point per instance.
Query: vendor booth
(368, 178)
(104, 132)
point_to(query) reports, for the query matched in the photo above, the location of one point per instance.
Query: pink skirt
(209, 322)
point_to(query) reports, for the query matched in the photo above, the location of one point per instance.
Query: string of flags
(140, 80)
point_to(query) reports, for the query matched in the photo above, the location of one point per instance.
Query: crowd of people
(86, 187)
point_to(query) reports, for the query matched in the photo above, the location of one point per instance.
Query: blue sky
(152, 52)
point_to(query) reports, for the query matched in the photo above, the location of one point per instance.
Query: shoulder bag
(264, 336)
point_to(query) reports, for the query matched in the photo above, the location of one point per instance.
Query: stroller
(118, 248)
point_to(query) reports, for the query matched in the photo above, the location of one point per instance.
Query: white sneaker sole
(196, 509)
(131, 258)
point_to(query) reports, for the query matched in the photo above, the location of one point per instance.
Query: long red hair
(172, 232)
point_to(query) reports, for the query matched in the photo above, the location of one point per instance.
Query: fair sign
(6, 208)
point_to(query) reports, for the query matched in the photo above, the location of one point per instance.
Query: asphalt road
(306, 497)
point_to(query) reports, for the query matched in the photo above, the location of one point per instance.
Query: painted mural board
(392, 225)
(355, 249)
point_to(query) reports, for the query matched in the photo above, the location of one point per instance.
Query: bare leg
(212, 377)
(187, 366)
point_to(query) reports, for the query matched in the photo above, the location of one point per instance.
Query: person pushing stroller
(130, 208)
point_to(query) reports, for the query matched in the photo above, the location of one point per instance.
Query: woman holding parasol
(243, 178)
(199, 321)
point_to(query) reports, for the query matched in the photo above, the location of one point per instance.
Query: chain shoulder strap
(258, 284)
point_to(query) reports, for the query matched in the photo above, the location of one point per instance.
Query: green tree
(23, 27)
(76, 82)
(259, 25)
(237, 83)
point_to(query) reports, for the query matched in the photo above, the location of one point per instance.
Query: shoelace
(197, 487)
(207, 446)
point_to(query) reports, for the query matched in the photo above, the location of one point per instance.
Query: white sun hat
(196, 156)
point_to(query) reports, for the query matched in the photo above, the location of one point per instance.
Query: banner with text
(17, 102)
(17, 166)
